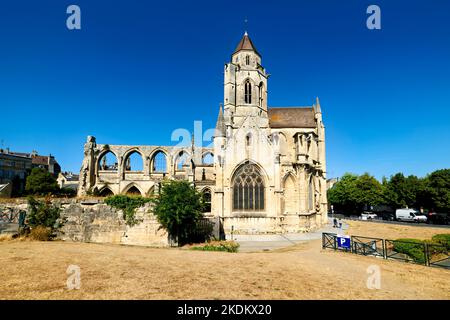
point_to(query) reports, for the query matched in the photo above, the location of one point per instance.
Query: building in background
(14, 170)
(68, 180)
(16, 166)
(48, 163)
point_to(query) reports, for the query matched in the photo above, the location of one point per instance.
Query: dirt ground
(37, 270)
(392, 231)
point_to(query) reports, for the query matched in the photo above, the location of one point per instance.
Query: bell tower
(245, 85)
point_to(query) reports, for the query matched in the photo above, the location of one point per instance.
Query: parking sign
(343, 241)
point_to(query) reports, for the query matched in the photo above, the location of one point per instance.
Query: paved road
(401, 223)
(255, 243)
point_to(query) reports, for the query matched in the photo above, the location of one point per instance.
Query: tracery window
(248, 189)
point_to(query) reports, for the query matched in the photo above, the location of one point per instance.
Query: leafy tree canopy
(178, 207)
(353, 193)
(41, 182)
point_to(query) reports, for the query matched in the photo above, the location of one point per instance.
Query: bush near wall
(412, 248)
(226, 246)
(40, 233)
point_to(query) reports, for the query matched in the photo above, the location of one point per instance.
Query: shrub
(128, 205)
(412, 248)
(43, 213)
(443, 239)
(227, 246)
(40, 233)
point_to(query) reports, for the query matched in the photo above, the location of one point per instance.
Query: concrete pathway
(255, 243)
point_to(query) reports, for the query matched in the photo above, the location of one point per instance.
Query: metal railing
(368, 246)
(423, 253)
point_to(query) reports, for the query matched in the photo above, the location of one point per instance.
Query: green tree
(178, 207)
(401, 191)
(41, 182)
(352, 193)
(437, 190)
(368, 192)
(341, 194)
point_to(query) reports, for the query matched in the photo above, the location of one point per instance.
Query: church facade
(266, 171)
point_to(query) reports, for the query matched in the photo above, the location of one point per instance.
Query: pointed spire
(318, 110)
(220, 125)
(246, 44)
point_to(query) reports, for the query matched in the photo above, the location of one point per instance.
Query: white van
(409, 215)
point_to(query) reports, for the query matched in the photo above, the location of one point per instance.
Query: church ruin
(265, 173)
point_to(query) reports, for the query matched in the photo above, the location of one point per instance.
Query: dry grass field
(37, 270)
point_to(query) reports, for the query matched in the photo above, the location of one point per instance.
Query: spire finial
(318, 109)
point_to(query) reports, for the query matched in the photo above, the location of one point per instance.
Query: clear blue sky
(137, 70)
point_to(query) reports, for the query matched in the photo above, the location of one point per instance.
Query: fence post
(427, 256)
(383, 243)
(335, 242)
(352, 243)
(323, 240)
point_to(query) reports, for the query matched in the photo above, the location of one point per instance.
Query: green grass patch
(225, 246)
(413, 248)
(442, 239)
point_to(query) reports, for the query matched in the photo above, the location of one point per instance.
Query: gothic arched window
(181, 160)
(248, 92)
(159, 162)
(108, 162)
(206, 194)
(248, 189)
(247, 59)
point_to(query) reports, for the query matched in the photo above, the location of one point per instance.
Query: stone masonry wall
(94, 221)
(103, 224)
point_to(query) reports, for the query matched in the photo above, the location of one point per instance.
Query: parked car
(409, 215)
(368, 216)
(388, 216)
(438, 218)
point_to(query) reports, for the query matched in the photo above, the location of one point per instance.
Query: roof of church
(292, 117)
(246, 44)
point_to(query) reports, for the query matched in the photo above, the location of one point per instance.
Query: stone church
(265, 173)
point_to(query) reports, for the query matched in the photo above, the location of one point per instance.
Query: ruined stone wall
(94, 221)
(101, 223)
